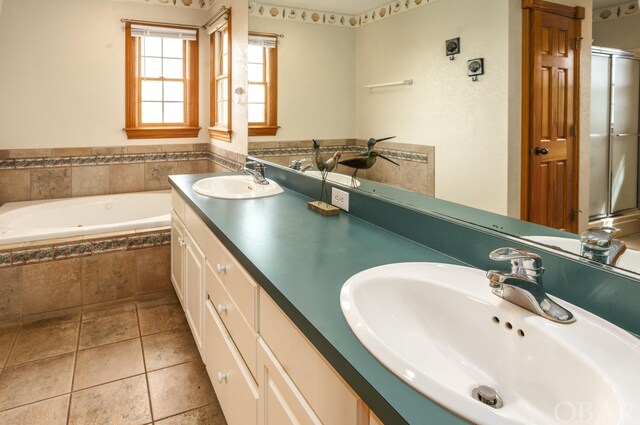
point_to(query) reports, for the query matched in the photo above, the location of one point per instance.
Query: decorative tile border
(224, 162)
(79, 161)
(307, 151)
(622, 10)
(191, 4)
(394, 7)
(84, 248)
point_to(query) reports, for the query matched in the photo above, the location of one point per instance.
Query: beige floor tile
(109, 310)
(158, 298)
(179, 389)
(107, 329)
(161, 318)
(123, 402)
(7, 338)
(169, 348)
(108, 363)
(40, 343)
(53, 321)
(208, 415)
(48, 412)
(35, 381)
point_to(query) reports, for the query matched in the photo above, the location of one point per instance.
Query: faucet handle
(523, 262)
(599, 236)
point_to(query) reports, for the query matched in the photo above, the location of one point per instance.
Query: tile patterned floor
(131, 364)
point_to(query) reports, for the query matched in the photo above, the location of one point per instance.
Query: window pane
(151, 46)
(225, 42)
(151, 112)
(174, 112)
(224, 69)
(256, 112)
(222, 92)
(222, 113)
(256, 93)
(255, 73)
(151, 67)
(172, 68)
(173, 91)
(255, 54)
(172, 47)
(151, 90)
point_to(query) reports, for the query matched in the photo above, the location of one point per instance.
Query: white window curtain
(164, 32)
(263, 41)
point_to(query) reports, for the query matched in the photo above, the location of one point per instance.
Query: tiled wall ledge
(225, 159)
(417, 162)
(33, 174)
(59, 277)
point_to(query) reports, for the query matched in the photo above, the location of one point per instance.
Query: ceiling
(348, 7)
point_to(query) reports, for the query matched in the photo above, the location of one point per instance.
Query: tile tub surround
(417, 162)
(81, 376)
(33, 174)
(62, 276)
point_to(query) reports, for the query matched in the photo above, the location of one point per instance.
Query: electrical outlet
(340, 198)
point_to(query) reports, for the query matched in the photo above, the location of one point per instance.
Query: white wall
(466, 121)
(62, 71)
(623, 33)
(316, 78)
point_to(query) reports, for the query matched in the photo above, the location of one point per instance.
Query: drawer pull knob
(221, 268)
(182, 242)
(221, 308)
(222, 377)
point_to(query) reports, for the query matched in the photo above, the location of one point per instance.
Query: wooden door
(551, 109)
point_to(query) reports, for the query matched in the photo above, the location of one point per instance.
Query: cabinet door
(235, 388)
(177, 256)
(194, 290)
(280, 402)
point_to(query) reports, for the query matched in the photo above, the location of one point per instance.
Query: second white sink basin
(333, 177)
(629, 260)
(440, 329)
(235, 187)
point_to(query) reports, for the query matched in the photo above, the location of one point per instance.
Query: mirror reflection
(344, 73)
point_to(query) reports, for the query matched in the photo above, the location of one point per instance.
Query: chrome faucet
(523, 286)
(598, 244)
(257, 172)
(299, 165)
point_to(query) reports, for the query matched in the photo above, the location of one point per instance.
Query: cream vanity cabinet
(263, 369)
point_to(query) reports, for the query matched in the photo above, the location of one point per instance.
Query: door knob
(221, 268)
(541, 151)
(221, 308)
(222, 377)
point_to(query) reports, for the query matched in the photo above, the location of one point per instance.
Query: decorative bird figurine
(324, 165)
(363, 161)
(372, 142)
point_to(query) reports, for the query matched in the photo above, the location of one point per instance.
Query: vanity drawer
(177, 204)
(324, 390)
(233, 384)
(241, 332)
(240, 286)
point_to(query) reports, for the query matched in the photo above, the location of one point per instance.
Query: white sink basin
(333, 177)
(629, 260)
(436, 327)
(235, 187)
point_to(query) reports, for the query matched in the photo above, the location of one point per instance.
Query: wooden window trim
(270, 127)
(133, 125)
(220, 132)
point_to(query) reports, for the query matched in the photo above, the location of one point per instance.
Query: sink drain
(488, 396)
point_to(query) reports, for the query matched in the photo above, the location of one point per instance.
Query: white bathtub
(89, 215)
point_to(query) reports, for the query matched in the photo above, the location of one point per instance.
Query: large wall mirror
(350, 71)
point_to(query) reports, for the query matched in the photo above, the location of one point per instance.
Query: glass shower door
(624, 137)
(600, 126)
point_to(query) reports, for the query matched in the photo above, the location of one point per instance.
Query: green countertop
(301, 260)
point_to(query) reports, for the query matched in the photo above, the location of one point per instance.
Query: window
(161, 81)
(220, 78)
(263, 84)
